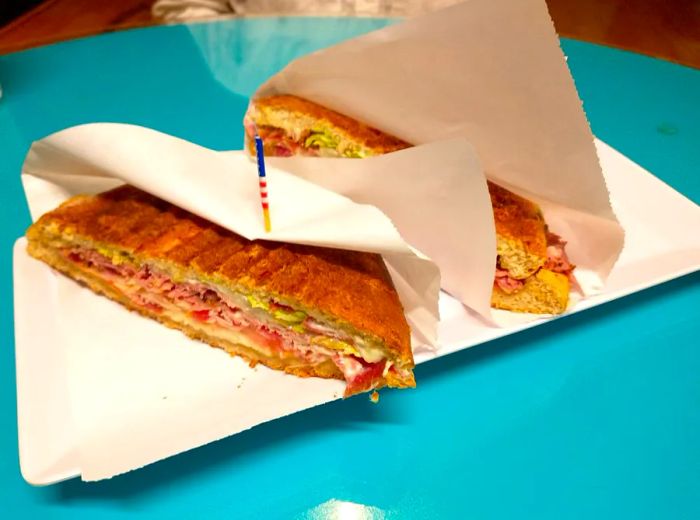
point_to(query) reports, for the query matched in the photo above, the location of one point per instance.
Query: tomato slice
(200, 315)
(371, 374)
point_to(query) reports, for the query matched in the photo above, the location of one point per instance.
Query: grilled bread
(545, 292)
(533, 273)
(289, 125)
(308, 311)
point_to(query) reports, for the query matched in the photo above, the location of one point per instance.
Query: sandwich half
(289, 125)
(533, 273)
(307, 311)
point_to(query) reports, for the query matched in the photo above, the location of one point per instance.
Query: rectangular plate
(656, 250)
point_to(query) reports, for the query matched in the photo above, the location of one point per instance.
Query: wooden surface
(57, 20)
(668, 29)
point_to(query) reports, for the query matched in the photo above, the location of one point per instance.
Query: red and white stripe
(263, 194)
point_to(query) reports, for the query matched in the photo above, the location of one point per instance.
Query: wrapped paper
(490, 72)
(121, 367)
(433, 193)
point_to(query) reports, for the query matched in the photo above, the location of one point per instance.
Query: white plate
(657, 249)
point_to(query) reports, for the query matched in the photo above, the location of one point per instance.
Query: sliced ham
(323, 330)
(279, 143)
(155, 291)
(557, 261)
(507, 283)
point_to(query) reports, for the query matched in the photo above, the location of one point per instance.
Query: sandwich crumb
(374, 397)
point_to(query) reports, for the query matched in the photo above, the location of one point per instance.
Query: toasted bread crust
(370, 138)
(546, 292)
(351, 287)
(518, 218)
(521, 238)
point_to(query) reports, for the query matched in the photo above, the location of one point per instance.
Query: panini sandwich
(308, 311)
(533, 273)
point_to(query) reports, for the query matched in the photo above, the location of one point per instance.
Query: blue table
(593, 416)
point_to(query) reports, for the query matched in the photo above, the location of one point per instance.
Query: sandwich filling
(318, 142)
(273, 329)
(557, 261)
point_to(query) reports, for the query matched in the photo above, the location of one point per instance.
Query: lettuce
(355, 153)
(289, 318)
(321, 140)
(257, 303)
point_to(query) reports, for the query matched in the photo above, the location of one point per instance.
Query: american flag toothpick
(263, 182)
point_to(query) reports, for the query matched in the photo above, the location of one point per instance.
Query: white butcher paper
(490, 72)
(132, 382)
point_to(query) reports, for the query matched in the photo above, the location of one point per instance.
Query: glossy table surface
(593, 416)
